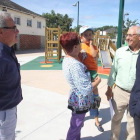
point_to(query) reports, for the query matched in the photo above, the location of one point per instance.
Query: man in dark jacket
(10, 80)
(134, 105)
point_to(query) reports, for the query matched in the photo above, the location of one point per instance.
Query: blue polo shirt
(10, 79)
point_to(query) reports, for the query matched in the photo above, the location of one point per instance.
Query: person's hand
(109, 93)
(91, 42)
(97, 78)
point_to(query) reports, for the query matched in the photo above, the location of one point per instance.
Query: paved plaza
(43, 113)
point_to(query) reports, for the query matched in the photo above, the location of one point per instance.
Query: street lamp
(126, 14)
(77, 3)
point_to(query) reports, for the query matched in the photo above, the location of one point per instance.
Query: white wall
(24, 29)
(102, 32)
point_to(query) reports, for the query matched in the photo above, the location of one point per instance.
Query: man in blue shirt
(10, 80)
(134, 105)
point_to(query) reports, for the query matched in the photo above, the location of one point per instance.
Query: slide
(105, 58)
(104, 54)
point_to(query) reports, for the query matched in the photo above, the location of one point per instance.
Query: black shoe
(100, 128)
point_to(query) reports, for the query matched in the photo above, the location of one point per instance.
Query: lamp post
(77, 3)
(126, 14)
(120, 24)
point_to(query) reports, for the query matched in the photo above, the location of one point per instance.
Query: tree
(54, 20)
(104, 28)
(75, 28)
(126, 25)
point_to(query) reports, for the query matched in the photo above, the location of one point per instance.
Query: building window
(17, 20)
(38, 24)
(29, 22)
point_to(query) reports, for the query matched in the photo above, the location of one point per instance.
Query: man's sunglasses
(14, 27)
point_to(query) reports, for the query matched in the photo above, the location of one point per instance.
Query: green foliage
(112, 35)
(105, 28)
(75, 28)
(126, 25)
(54, 20)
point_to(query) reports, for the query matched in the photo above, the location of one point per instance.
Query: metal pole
(78, 18)
(120, 24)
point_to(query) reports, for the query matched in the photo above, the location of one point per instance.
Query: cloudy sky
(95, 13)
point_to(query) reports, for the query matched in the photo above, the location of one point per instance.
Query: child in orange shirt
(90, 59)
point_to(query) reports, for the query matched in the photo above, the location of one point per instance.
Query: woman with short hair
(78, 77)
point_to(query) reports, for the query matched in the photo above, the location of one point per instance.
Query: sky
(95, 13)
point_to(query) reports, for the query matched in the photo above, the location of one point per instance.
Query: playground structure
(106, 49)
(52, 45)
(53, 49)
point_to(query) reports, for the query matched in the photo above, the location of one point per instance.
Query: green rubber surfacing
(36, 65)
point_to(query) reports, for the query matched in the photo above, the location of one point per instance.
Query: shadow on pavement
(104, 114)
(106, 134)
(123, 130)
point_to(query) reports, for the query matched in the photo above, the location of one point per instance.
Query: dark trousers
(137, 127)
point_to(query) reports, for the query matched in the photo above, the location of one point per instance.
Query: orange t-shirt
(89, 60)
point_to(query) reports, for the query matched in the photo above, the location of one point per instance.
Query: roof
(11, 5)
(112, 30)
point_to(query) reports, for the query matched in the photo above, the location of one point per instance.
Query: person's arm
(112, 78)
(109, 93)
(80, 78)
(96, 82)
(134, 103)
(94, 52)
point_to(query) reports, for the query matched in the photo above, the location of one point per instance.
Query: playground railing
(53, 49)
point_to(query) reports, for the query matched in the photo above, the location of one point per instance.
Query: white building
(114, 33)
(31, 25)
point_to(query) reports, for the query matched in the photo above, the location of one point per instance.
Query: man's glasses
(130, 35)
(14, 28)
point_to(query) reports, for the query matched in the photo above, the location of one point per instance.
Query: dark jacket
(10, 80)
(134, 104)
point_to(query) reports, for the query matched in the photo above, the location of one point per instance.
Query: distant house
(31, 25)
(102, 33)
(113, 33)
